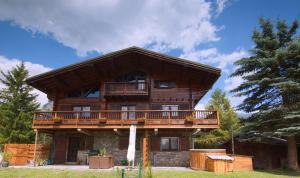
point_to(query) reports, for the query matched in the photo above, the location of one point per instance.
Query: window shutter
(155, 144)
(184, 143)
(123, 143)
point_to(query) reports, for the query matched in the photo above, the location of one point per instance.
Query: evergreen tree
(17, 105)
(228, 121)
(271, 85)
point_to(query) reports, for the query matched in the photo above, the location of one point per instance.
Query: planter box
(101, 162)
(114, 121)
(88, 121)
(205, 121)
(43, 122)
(177, 121)
(157, 121)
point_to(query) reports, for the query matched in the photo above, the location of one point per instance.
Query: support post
(35, 146)
(145, 150)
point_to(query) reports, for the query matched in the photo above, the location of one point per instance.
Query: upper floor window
(173, 108)
(92, 92)
(164, 84)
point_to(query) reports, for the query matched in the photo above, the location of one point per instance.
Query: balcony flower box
(189, 119)
(102, 120)
(140, 120)
(205, 121)
(57, 120)
(177, 121)
(114, 121)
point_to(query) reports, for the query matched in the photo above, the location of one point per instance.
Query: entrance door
(74, 144)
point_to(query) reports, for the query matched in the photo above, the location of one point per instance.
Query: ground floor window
(169, 143)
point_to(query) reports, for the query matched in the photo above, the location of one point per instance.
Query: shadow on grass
(284, 172)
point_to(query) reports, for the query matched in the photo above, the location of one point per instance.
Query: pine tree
(17, 104)
(271, 85)
(228, 121)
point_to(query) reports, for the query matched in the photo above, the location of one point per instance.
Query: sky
(51, 34)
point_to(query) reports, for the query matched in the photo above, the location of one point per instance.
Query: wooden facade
(130, 86)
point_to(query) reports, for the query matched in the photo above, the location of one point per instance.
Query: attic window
(164, 84)
(91, 92)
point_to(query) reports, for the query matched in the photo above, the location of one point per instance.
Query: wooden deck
(123, 119)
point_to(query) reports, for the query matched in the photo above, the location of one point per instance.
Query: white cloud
(33, 69)
(109, 25)
(212, 56)
(221, 4)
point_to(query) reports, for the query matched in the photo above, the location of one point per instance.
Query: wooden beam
(60, 83)
(35, 145)
(78, 76)
(96, 70)
(69, 126)
(84, 131)
(145, 150)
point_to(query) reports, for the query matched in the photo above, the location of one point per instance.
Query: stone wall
(169, 159)
(110, 141)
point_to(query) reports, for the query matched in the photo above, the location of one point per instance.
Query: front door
(74, 145)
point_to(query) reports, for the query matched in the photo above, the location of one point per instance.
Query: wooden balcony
(126, 89)
(123, 119)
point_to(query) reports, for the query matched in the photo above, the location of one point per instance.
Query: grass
(47, 173)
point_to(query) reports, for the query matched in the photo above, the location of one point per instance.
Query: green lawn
(43, 173)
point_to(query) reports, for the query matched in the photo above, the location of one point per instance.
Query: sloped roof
(134, 49)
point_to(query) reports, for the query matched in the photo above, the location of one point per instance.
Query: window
(92, 92)
(173, 108)
(164, 84)
(169, 144)
(128, 112)
(80, 110)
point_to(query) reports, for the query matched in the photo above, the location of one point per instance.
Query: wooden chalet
(96, 101)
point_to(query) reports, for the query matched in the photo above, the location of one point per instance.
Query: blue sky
(52, 34)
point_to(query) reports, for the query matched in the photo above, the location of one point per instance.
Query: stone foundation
(110, 141)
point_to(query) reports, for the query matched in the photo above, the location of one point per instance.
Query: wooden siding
(23, 153)
(198, 157)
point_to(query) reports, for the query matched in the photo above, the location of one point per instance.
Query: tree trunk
(292, 153)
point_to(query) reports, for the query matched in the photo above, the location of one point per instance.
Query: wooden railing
(126, 88)
(142, 117)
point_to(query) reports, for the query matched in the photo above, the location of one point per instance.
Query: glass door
(128, 112)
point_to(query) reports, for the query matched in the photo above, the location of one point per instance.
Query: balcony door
(128, 112)
(173, 108)
(83, 111)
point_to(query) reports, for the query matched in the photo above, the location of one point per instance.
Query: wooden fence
(23, 153)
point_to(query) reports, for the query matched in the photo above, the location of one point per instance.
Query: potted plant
(102, 119)
(141, 119)
(57, 119)
(101, 161)
(6, 158)
(124, 162)
(189, 119)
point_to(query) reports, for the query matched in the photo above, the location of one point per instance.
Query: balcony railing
(126, 88)
(139, 117)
